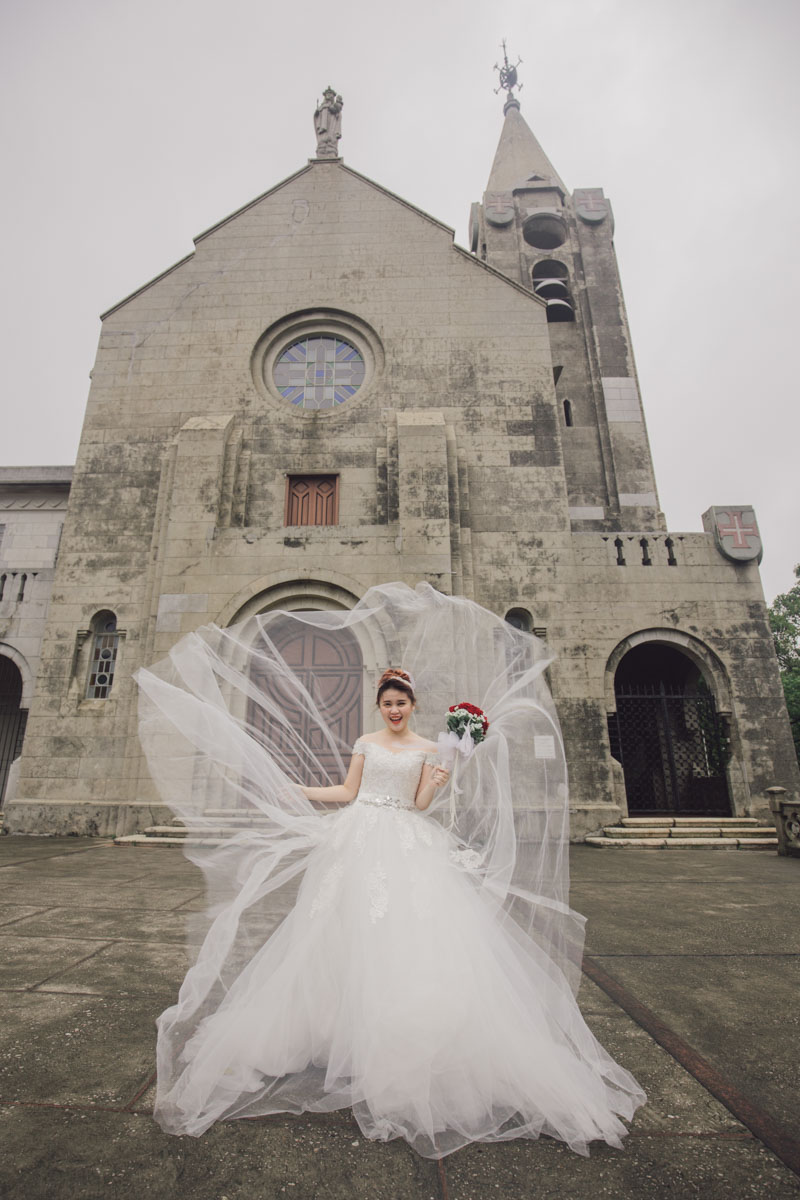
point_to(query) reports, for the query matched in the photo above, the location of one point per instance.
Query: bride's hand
(440, 776)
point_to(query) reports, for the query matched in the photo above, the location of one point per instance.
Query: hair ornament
(399, 674)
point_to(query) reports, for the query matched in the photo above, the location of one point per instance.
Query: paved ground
(702, 947)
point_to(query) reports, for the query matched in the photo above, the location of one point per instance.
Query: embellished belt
(384, 802)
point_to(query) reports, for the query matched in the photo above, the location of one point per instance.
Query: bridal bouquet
(466, 727)
(465, 717)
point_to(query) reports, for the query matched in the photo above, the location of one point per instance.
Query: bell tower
(561, 247)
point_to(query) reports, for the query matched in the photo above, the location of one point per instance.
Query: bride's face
(396, 709)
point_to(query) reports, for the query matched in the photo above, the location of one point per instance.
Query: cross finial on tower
(508, 79)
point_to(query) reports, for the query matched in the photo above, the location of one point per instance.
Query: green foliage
(784, 618)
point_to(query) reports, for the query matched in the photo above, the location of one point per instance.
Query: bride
(388, 943)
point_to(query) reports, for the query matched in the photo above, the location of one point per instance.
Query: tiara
(406, 678)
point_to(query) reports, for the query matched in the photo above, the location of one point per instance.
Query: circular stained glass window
(318, 372)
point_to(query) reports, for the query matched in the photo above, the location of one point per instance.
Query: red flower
(473, 710)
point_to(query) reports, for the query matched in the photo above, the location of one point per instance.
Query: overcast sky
(129, 128)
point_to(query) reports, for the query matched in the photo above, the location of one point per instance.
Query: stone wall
(451, 460)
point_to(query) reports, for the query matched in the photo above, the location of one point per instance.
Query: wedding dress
(376, 956)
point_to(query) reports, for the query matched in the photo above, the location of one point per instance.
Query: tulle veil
(232, 722)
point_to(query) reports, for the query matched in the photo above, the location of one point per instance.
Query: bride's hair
(396, 677)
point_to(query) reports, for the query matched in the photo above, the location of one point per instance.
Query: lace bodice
(391, 776)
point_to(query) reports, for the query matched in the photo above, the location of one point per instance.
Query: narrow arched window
(105, 645)
(520, 618)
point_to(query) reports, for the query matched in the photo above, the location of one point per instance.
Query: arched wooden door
(329, 665)
(13, 718)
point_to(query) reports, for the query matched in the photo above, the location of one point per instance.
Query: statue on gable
(328, 124)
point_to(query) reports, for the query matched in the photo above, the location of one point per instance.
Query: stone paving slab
(29, 961)
(58, 893)
(11, 913)
(649, 1168)
(90, 869)
(125, 969)
(124, 1156)
(81, 1050)
(741, 1014)
(24, 849)
(674, 1099)
(103, 924)
(593, 1001)
(93, 966)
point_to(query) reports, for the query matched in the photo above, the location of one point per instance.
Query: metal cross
(507, 73)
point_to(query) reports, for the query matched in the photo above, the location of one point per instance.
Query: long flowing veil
(235, 719)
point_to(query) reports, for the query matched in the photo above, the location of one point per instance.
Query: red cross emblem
(736, 533)
(736, 529)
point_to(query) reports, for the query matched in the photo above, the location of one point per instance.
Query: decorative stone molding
(705, 658)
(291, 590)
(786, 814)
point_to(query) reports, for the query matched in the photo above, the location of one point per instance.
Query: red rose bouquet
(465, 717)
(466, 727)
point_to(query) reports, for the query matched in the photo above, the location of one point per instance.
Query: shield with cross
(591, 205)
(735, 532)
(499, 208)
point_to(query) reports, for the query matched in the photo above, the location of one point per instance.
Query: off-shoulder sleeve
(432, 758)
(360, 746)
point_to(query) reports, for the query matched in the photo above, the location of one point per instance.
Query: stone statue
(328, 124)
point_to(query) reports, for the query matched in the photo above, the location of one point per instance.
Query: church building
(329, 393)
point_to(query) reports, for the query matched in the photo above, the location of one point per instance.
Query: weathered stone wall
(454, 464)
(33, 502)
(179, 486)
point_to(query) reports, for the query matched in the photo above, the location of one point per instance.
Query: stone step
(180, 831)
(706, 831)
(141, 839)
(756, 831)
(683, 843)
(686, 822)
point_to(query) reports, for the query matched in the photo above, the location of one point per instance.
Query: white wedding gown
(398, 987)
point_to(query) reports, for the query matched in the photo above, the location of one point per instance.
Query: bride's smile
(396, 709)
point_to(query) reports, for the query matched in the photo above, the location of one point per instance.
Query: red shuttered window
(312, 500)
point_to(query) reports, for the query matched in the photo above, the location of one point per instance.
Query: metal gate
(12, 719)
(673, 748)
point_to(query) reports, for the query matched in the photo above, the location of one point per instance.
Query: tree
(784, 618)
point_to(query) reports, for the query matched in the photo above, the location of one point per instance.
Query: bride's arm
(340, 793)
(430, 779)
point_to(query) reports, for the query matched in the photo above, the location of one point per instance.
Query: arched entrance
(667, 734)
(329, 665)
(13, 718)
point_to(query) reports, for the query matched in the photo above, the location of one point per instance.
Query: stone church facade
(328, 394)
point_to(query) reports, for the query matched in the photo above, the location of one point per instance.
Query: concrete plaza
(692, 979)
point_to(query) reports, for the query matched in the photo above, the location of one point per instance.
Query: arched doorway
(13, 718)
(666, 732)
(329, 665)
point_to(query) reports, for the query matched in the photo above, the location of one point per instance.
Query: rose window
(318, 372)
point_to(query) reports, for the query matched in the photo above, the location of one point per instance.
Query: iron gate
(12, 719)
(673, 748)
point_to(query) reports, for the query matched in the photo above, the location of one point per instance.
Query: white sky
(128, 128)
